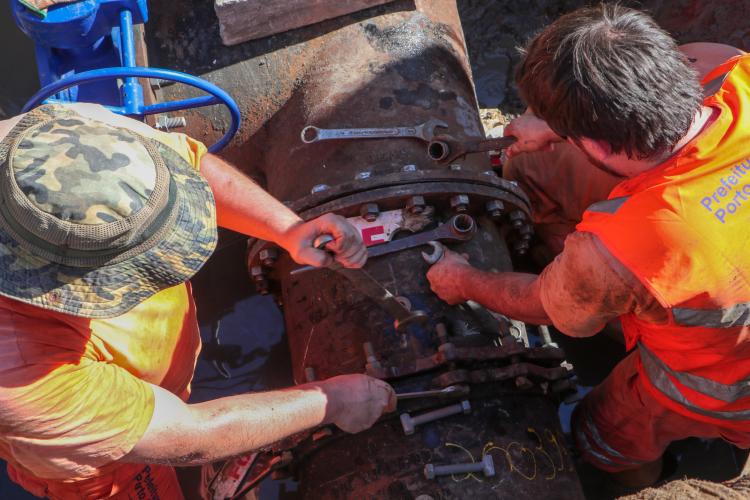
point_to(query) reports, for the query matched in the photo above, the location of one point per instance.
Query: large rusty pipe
(397, 65)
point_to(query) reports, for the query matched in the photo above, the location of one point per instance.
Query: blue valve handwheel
(217, 95)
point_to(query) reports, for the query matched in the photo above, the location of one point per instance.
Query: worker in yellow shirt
(103, 220)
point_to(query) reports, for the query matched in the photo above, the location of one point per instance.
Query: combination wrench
(460, 227)
(425, 131)
(445, 149)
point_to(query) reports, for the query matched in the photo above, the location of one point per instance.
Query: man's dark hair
(611, 73)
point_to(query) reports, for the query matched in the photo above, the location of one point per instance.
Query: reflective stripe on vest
(712, 87)
(608, 206)
(658, 373)
(735, 316)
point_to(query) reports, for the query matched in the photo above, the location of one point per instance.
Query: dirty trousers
(619, 425)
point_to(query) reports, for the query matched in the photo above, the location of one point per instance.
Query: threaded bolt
(370, 212)
(495, 208)
(486, 466)
(268, 256)
(416, 204)
(460, 203)
(170, 122)
(517, 219)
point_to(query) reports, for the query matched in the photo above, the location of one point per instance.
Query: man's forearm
(242, 205)
(181, 434)
(515, 295)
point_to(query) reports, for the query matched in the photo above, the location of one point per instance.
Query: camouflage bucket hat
(95, 219)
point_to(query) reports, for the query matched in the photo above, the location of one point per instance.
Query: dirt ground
(495, 30)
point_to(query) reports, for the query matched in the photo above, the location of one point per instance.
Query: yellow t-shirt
(73, 391)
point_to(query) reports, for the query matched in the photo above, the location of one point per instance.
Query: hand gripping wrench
(425, 131)
(484, 318)
(460, 227)
(372, 288)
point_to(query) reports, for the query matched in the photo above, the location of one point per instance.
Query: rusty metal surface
(396, 65)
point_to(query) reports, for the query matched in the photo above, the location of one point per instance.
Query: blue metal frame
(77, 38)
(218, 96)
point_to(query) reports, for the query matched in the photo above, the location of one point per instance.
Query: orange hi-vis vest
(683, 229)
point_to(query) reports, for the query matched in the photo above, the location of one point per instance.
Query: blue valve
(85, 48)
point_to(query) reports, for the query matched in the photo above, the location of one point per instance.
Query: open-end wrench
(453, 391)
(446, 149)
(460, 227)
(425, 131)
(372, 288)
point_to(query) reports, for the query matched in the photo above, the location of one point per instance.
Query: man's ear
(599, 150)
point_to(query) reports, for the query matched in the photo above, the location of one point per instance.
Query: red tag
(374, 235)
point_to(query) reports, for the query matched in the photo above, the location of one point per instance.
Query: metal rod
(168, 107)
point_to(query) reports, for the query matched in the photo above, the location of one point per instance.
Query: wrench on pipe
(460, 227)
(425, 131)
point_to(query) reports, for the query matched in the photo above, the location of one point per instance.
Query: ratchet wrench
(460, 227)
(425, 131)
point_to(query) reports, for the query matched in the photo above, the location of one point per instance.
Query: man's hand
(347, 245)
(356, 402)
(533, 134)
(445, 277)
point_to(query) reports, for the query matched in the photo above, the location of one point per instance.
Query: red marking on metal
(369, 235)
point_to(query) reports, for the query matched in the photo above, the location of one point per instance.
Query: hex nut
(416, 204)
(460, 202)
(429, 471)
(268, 256)
(489, 465)
(257, 273)
(370, 212)
(495, 208)
(407, 424)
(466, 406)
(517, 219)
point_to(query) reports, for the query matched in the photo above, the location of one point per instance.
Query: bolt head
(370, 212)
(466, 406)
(262, 287)
(416, 204)
(319, 188)
(455, 167)
(407, 424)
(268, 256)
(429, 471)
(460, 202)
(495, 208)
(257, 272)
(409, 168)
(362, 176)
(488, 466)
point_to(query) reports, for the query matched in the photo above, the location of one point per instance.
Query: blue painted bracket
(86, 53)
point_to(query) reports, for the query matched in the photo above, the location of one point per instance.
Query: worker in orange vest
(635, 154)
